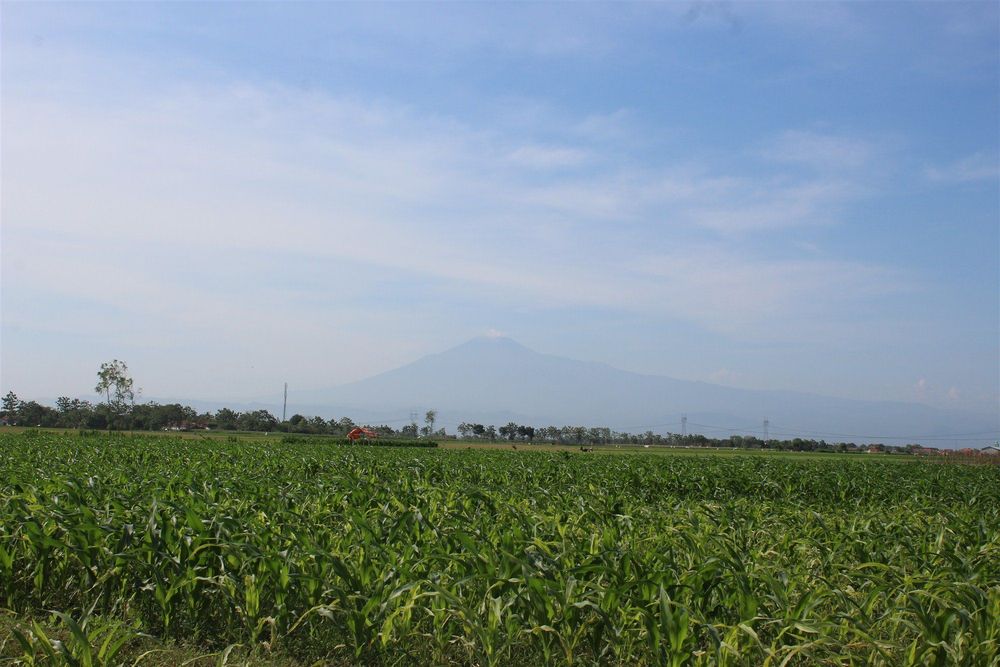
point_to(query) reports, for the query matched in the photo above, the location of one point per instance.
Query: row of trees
(113, 382)
(524, 433)
(151, 416)
(602, 435)
(120, 411)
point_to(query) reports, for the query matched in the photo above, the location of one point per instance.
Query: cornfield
(320, 552)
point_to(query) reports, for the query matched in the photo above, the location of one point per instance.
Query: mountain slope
(495, 380)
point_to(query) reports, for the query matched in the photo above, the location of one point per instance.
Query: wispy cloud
(753, 295)
(820, 151)
(765, 206)
(970, 169)
(547, 157)
(202, 217)
(655, 185)
(250, 168)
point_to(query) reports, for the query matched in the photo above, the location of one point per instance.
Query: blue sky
(231, 196)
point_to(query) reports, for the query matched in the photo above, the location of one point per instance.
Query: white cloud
(547, 157)
(970, 169)
(761, 298)
(763, 206)
(821, 151)
(603, 126)
(165, 199)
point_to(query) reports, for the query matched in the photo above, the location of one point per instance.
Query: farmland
(300, 552)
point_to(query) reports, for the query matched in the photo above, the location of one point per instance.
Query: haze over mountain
(496, 380)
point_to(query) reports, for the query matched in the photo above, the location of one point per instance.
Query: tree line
(602, 435)
(119, 411)
(152, 416)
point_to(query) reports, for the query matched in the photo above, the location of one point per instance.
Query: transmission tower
(684, 426)
(766, 424)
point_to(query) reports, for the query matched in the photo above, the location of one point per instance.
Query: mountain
(496, 380)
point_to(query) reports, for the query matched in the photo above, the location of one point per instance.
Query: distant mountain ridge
(496, 380)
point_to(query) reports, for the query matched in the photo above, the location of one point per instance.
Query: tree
(73, 412)
(113, 381)
(32, 413)
(318, 425)
(258, 420)
(429, 420)
(226, 419)
(10, 405)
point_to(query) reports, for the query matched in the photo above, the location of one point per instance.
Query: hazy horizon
(228, 197)
(493, 379)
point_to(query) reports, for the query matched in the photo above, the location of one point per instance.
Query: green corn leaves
(321, 552)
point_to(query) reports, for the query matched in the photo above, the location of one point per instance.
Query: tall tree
(226, 419)
(10, 405)
(114, 382)
(429, 420)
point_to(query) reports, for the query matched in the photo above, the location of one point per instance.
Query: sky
(231, 196)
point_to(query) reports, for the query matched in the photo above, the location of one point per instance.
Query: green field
(154, 548)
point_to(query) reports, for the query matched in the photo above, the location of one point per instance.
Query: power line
(720, 428)
(647, 426)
